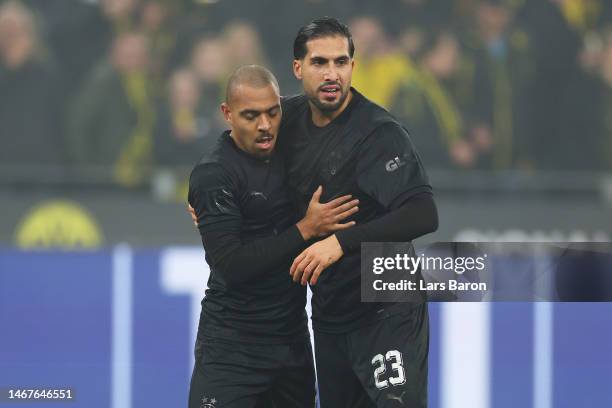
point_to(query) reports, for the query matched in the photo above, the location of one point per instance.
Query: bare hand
(323, 219)
(309, 265)
(191, 212)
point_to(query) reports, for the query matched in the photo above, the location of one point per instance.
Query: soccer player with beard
(253, 346)
(367, 354)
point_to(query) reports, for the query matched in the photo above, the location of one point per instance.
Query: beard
(328, 107)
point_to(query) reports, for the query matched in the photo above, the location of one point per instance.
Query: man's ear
(297, 68)
(227, 113)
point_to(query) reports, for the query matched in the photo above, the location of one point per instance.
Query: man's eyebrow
(249, 112)
(343, 57)
(257, 112)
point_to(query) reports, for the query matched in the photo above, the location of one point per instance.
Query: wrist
(333, 238)
(305, 230)
(346, 240)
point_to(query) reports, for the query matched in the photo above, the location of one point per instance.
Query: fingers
(299, 270)
(346, 214)
(339, 227)
(315, 276)
(346, 206)
(299, 264)
(316, 196)
(338, 201)
(308, 270)
(296, 262)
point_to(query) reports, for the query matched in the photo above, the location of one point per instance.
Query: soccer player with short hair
(253, 346)
(367, 354)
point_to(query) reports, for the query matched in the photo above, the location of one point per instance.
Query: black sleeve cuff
(293, 239)
(350, 239)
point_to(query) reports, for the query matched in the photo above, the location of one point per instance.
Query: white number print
(378, 371)
(395, 358)
(397, 365)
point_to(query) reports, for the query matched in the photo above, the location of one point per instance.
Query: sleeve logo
(394, 164)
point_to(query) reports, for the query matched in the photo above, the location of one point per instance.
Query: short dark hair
(318, 28)
(251, 75)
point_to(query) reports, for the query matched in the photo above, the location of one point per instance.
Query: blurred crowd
(133, 86)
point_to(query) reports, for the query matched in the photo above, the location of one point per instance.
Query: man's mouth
(264, 142)
(330, 91)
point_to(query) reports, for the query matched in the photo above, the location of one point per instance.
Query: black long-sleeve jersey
(364, 152)
(246, 221)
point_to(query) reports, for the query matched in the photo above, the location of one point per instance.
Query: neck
(322, 118)
(237, 142)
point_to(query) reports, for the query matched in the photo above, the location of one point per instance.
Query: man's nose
(264, 124)
(331, 74)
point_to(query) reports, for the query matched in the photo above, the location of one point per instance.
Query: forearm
(414, 218)
(241, 263)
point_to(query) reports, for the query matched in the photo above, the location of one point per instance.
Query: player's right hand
(322, 219)
(191, 212)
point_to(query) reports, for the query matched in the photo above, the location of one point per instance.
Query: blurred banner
(117, 327)
(91, 218)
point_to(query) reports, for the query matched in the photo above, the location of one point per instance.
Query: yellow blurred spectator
(112, 119)
(379, 68)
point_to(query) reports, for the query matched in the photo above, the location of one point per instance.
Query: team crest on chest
(208, 402)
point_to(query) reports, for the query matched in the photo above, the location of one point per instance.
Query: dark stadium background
(106, 105)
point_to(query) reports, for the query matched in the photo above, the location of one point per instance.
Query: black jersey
(364, 152)
(246, 224)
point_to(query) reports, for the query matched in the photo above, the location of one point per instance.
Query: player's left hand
(309, 265)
